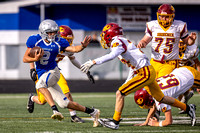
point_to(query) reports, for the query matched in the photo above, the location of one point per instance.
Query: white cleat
(57, 115)
(95, 115)
(109, 123)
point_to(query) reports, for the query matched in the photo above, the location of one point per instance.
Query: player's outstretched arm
(87, 65)
(78, 65)
(168, 120)
(78, 48)
(150, 114)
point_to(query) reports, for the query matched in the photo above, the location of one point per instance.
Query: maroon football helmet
(67, 33)
(143, 99)
(108, 32)
(168, 11)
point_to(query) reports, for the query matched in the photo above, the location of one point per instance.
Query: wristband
(160, 123)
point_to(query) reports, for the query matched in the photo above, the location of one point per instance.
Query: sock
(32, 98)
(116, 122)
(72, 113)
(117, 116)
(187, 109)
(54, 108)
(88, 110)
(179, 105)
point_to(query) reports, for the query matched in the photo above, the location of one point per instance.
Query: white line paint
(75, 96)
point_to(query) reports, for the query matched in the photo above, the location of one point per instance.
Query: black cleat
(76, 119)
(30, 104)
(192, 114)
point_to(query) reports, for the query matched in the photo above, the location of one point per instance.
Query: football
(33, 50)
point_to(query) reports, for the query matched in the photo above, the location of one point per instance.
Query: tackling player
(47, 70)
(66, 33)
(177, 82)
(133, 57)
(188, 57)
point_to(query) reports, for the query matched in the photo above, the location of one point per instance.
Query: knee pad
(63, 103)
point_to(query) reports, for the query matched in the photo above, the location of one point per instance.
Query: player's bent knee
(118, 93)
(63, 103)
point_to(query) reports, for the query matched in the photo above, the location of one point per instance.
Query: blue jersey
(51, 50)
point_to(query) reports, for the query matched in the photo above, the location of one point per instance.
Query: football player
(188, 57)
(133, 57)
(173, 84)
(165, 33)
(47, 70)
(66, 33)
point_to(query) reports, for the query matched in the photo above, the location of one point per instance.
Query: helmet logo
(140, 101)
(106, 27)
(164, 109)
(115, 44)
(61, 29)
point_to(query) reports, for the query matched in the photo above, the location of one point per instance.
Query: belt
(165, 61)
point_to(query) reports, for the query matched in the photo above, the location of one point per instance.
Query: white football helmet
(46, 26)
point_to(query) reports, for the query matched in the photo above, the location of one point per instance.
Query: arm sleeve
(75, 63)
(64, 43)
(184, 31)
(116, 51)
(148, 31)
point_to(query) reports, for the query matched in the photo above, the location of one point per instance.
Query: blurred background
(20, 18)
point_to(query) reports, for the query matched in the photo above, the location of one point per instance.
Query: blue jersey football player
(47, 70)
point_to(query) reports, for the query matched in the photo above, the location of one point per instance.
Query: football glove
(33, 74)
(86, 66)
(90, 77)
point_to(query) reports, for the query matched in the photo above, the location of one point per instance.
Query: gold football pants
(145, 77)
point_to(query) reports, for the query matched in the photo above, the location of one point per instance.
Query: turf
(14, 117)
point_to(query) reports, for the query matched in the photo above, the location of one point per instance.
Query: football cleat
(57, 115)
(182, 112)
(109, 123)
(95, 115)
(192, 114)
(188, 96)
(30, 104)
(76, 119)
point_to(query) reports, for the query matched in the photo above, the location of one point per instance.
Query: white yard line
(75, 96)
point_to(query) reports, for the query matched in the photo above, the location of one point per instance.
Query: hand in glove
(86, 66)
(33, 74)
(90, 77)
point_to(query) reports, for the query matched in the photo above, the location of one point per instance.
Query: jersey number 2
(45, 58)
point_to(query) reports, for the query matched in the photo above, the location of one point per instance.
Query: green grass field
(14, 117)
